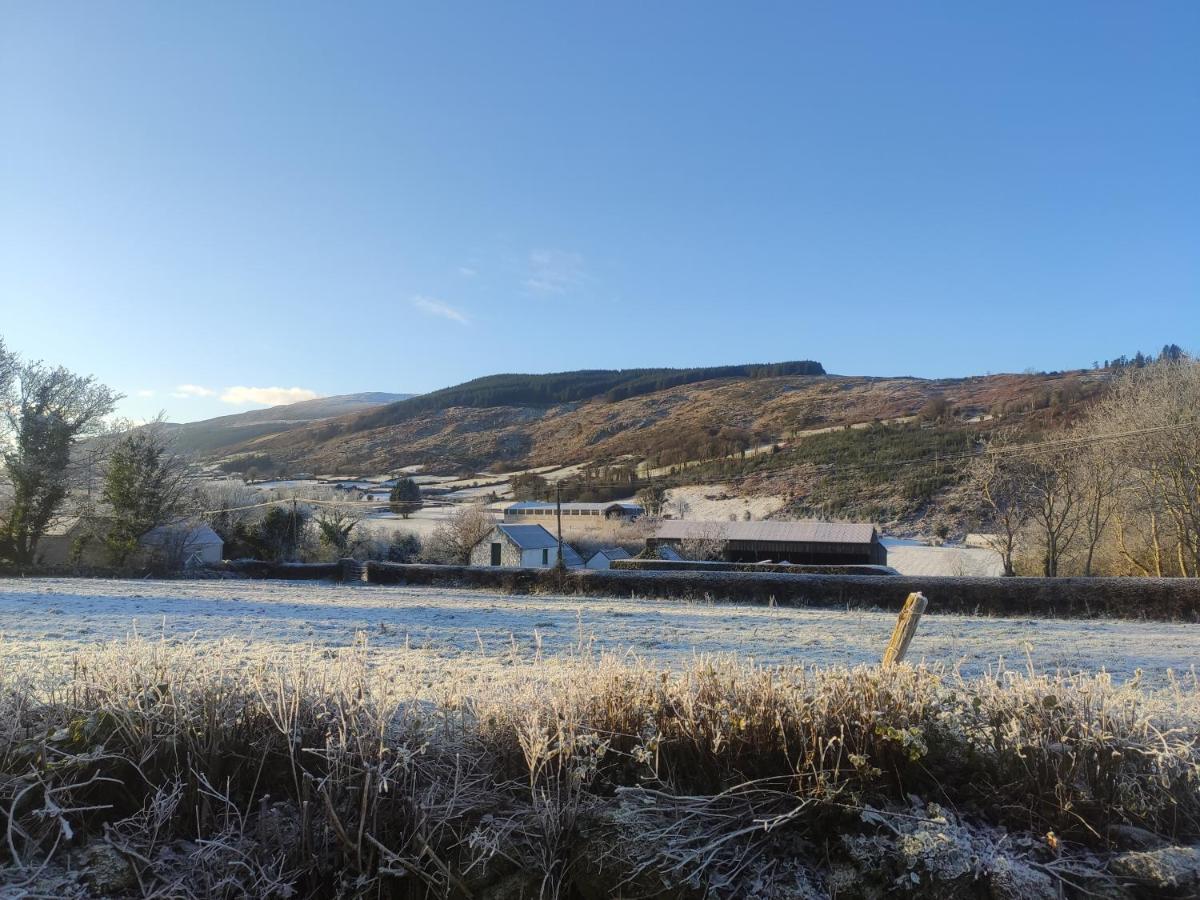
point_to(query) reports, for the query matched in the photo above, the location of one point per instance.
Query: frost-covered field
(45, 620)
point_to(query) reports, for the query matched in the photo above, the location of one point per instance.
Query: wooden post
(906, 627)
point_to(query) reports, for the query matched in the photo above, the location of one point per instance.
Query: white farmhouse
(525, 546)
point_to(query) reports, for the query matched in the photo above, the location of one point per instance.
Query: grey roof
(612, 553)
(196, 534)
(529, 537)
(542, 504)
(668, 553)
(770, 532)
(535, 537)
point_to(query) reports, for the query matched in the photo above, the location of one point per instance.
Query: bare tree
(47, 412)
(1155, 411)
(1055, 501)
(652, 497)
(680, 507)
(1101, 475)
(228, 507)
(706, 542)
(8, 369)
(454, 539)
(998, 479)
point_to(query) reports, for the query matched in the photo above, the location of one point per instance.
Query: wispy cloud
(435, 307)
(144, 392)
(266, 396)
(554, 271)
(467, 271)
(187, 391)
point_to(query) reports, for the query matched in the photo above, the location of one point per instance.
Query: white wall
(533, 558)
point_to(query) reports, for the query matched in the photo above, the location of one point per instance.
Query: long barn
(814, 543)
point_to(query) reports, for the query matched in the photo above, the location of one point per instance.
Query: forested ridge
(569, 387)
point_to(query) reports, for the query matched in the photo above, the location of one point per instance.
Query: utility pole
(558, 514)
(295, 530)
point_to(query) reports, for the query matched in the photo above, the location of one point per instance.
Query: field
(48, 619)
(268, 739)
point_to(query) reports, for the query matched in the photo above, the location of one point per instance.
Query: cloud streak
(435, 307)
(190, 391)
(266, 396)
(554, 271)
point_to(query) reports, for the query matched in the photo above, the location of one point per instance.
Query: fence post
(906, 627)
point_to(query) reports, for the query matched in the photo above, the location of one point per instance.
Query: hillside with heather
(828, 445)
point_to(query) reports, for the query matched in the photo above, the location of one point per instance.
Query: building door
(496, 554)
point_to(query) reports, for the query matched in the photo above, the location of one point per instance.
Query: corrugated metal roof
(529, 537)
(535, 537)
(541, 504)
(770, 532)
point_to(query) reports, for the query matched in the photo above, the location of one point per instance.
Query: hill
(213, 436)
(826, 445)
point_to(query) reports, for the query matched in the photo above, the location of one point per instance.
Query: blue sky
(349, 197)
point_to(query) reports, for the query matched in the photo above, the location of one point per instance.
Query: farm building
(528, 510)
(603, 559)
(915, 558)
(187, 544)
(77, 541)
(527, 546)
(815, 543)
(70, 541)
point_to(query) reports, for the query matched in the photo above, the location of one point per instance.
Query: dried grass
(167, 770)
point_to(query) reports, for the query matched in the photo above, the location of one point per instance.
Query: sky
(213, 206)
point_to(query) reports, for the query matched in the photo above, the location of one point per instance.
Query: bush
(403, 548)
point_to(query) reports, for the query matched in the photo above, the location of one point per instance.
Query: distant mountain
(213, 436)
(825, 446)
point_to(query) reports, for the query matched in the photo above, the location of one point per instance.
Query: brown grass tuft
(161, 770)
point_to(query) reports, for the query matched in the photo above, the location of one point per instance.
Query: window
(545, 557)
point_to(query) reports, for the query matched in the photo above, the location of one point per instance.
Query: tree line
(65, 460)
(1117, 492)
(570, 387)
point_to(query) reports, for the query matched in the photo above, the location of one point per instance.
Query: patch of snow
(715, 503)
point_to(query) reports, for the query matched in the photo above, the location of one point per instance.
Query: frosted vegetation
(231, 769)
(44, 620)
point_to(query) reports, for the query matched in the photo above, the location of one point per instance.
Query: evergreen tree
(143, 486)
(405, 498)
(46, 413)
(280, 534)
